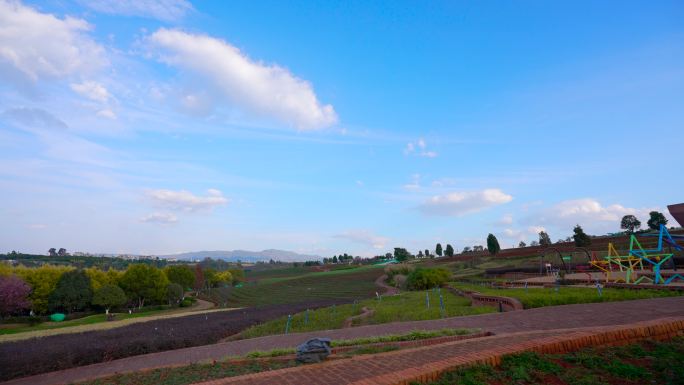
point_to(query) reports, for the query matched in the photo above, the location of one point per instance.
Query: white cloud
(419, 148)
(163, 218)
(364, 237)
(166, 10)
(35, 45)
(186, 201)
(91, 90)
(415, 183)
(506, 220)
(107, 113)
(265, 90)
(590, 214)
(464, 202)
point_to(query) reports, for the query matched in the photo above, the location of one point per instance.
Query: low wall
(500, 302)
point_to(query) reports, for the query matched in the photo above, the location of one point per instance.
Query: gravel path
(546, 318)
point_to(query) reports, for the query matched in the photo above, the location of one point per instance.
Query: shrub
(400, 281)
(185, 303)
(421, 279)
(402, 268)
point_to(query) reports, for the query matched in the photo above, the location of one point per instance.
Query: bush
(185, 303)
(402, 268)
(421, 279)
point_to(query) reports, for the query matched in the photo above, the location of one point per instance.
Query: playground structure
(633, 268)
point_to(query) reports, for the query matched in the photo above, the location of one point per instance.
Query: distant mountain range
(245, 255)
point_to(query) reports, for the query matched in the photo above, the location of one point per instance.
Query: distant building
(677, 211)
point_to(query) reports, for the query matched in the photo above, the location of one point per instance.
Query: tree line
(50, 288)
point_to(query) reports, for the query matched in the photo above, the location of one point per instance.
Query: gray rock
(314, 350)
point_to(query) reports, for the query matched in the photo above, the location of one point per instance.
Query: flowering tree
(14, 294)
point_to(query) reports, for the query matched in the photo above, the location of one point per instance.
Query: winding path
(539, 319)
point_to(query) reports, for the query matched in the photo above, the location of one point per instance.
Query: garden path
(538, 319)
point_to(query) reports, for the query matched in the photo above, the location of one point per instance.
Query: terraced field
(344, 284)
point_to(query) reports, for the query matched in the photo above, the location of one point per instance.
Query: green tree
(423, 278)
(144, 283)
(655, 220)
(43, 281)
(544, 239)
(630, 223)
(72, 293)
(401, 254)
(449, 252)
(581, 239)
(334, 259)
(174, 293)
(420, 253)
(180, 274)
(438, 249)
(109, 296)
(522, 244)
(237, 276)
(493, 244)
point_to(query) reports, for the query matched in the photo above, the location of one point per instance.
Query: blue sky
(166, 126)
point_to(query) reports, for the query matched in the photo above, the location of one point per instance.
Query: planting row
(48, 354)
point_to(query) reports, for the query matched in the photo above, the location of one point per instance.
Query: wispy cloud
(364, 237)
(162, 218)
(186, 201)
(165, 10)
(228, 75)
(464, 202)
(419, 148)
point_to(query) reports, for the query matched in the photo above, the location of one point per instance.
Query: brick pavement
(546, 318)
(427, 363)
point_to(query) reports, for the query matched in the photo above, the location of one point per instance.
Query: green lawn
(408, 306)
(539, 297)
(647, 362)
(93, 319)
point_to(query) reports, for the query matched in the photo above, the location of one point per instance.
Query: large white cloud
(166, 10)
(464, 202)
(186, 201)
(364, 237)
(35, 45)
(591, 214)
(265, 90)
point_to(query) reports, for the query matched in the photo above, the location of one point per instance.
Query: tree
(493, 244)
(174, 293)
(109, 296)
(43, 281)
(655, 220)
(466, 249)
(52, 252)
(544, 239)
(427, 253)
(62, 252)
(581, 239)
(449, 252)
(420, 253)
(237, 276)
(438, 249)
(225, 277)
(72, 293)
(534, 243)
(401, 254)
(630, 223)
(199, 278)
(334, 259)
(14, 294)
(522, 244)
(180, 274)
(143, 282)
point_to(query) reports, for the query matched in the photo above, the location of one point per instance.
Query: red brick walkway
(426, 363)
(546, 318)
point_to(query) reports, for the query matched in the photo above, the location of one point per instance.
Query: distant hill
(245, 255)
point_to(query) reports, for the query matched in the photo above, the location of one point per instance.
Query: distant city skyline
(162, 127)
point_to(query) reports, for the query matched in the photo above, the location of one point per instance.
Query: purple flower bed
(47, 354)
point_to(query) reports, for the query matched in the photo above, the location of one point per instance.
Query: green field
(408, 306)
(294, 285)
(539, 297)
(648, 362)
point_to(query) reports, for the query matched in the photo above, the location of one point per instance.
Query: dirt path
(201, 306)
(389, 290)
(541, 319)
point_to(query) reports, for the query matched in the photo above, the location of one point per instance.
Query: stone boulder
(314, 350)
